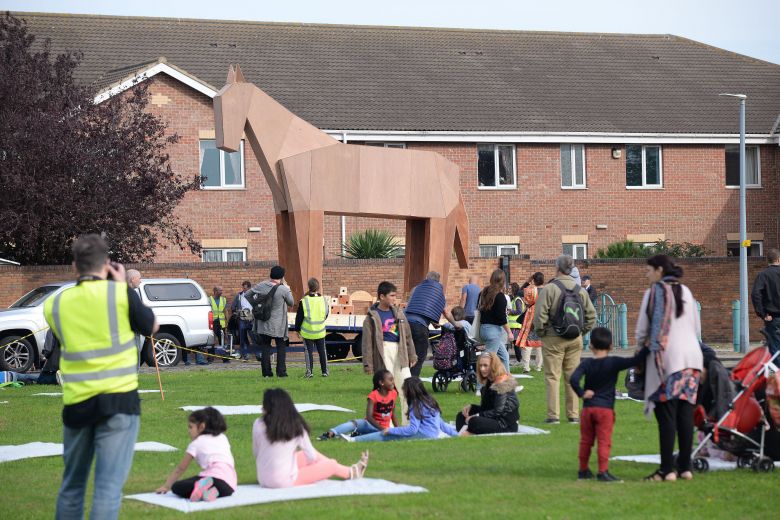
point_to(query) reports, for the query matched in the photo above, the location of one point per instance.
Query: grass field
(510, 477)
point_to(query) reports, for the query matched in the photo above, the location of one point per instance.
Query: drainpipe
(343, 218)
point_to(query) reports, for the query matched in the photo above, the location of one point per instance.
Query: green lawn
(532, 476)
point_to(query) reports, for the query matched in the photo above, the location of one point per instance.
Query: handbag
(476, 325)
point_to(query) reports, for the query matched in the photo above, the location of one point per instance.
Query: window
(576, 251)
(573, 166)
(752, 166)
(165, 292)
(221, 169)
(756, 248)
(224, 255)
(493, 250)
(643, 166)
(496, 166)
(388, 145)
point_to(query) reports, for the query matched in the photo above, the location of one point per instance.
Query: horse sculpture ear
(235, 75)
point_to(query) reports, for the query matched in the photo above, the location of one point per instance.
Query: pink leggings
(322, 468)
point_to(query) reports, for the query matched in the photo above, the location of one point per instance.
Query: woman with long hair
(528, 340)
(494, 327)
(669, 326)
(278, 436)
(498, 410)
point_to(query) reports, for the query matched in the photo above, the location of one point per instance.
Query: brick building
(566, 141)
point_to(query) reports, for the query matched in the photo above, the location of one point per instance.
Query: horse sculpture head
(231, 105)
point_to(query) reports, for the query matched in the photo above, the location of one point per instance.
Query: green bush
(623, 249)
(630, 249)
(371, 243)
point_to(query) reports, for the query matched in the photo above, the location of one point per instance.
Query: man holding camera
(279, 297)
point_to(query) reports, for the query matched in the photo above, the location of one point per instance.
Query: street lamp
(744, 336)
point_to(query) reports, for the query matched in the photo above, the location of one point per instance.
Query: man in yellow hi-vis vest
(96, 323)
(219, 321)
(313, 310)
(514, 312)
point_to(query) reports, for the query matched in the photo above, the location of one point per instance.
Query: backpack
(262, 305)
(445, 354)
(569, 320)
(635, 384)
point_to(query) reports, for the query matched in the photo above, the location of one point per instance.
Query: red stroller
(742, 430)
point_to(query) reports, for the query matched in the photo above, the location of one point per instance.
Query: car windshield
(34, 297)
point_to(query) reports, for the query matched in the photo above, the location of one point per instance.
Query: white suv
(180, 305)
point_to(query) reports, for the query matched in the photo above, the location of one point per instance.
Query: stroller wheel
(764, 465)
(469, 382)
(744, 461)
(439, 382)
(700, 464)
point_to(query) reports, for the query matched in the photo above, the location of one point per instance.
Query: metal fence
(614, 317)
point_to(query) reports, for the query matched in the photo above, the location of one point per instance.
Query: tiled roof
(408, 78)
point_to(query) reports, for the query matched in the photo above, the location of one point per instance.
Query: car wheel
(357, 347)
(17, 355)
(166, 350)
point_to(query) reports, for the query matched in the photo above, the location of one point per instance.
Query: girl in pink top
(276, 438)
(211, 449)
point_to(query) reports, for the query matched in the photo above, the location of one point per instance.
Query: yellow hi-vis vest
(514, 321)
(98, 352)
(218, 309)
(315, 312)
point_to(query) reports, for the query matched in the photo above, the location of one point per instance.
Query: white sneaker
(478, 393)
(347, 437)
(519, 389)
(58, 376)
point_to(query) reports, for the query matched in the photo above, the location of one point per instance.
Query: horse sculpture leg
(308, 233)
(287, 246)
(428, 248)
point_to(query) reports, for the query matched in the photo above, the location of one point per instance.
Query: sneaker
(347, 438)
(325, 436)
(325, 374)
(538, 369)
(187, 363)
(478, 393)
(201, 363)
(585, 475)
(574, 420)
(526, 371)
(201, 486)
(551, 420)
(58, 376)
(210, 495)
(308, 375)
(607, 477)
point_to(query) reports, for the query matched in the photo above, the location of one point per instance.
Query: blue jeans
(111, 443)
(772, 333)
(360, 426)
(378, 436)
(243, 336)
(494, 337)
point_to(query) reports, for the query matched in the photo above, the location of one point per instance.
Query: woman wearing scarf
(528, 340)
(669, 326)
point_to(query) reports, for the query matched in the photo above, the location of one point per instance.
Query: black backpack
(569, 320)
(261, 304)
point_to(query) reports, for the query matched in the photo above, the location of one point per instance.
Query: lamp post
(744, 336)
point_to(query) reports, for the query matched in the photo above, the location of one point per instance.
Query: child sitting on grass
(598, 398)
(211, 449)
(380, 411)
(425, 420)
(278, 436)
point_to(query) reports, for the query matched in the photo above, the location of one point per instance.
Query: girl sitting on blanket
(380, 411)
(424, 415)
(498, 410)
(276, 438)
(211, 449)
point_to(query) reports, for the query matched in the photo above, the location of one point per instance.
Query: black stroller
(454, 358)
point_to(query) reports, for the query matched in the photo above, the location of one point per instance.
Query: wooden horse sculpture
(311, 174)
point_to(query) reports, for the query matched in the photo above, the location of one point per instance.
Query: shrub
(371, 243)
(623, 249)
(630, 249)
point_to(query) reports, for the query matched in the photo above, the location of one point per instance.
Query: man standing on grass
(96, 322)
(561, 353)
(279, 297)
(766, 300)
(426, 305)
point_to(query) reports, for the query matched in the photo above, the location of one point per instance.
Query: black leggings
(675, 419)
(481, 425)
(184, 488)
(319, 345)
(422, 344)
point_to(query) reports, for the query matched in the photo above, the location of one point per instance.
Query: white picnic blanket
(253, 409)
(516, 376)
(52, 449)
(521, 430)
(54, 394)
(625, 397)
(247, 495)
(714, 464)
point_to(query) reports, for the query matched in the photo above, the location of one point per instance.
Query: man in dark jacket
(766, 300)
(426, 305)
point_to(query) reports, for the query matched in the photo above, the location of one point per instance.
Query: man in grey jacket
(276, 327)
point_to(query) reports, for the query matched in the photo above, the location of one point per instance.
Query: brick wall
(713, 281)
(694, 204)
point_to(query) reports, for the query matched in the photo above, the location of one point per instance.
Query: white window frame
(574, 247)
(515, 248)
(222, 185)
(224, 252)
(752, 243)
(644, 185)
(497, 166)
(758, 169)
(385, 144)
(574, 185)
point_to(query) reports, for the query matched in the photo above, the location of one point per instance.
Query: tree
(371, 243)
(69, 166)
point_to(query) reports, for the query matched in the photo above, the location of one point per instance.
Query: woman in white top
(278, 436)
(669, 326)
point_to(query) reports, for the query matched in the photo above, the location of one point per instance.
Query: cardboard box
(344, 299)
(343, 290)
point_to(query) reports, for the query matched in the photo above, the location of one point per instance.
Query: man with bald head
(133, 278)
(469, 296)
